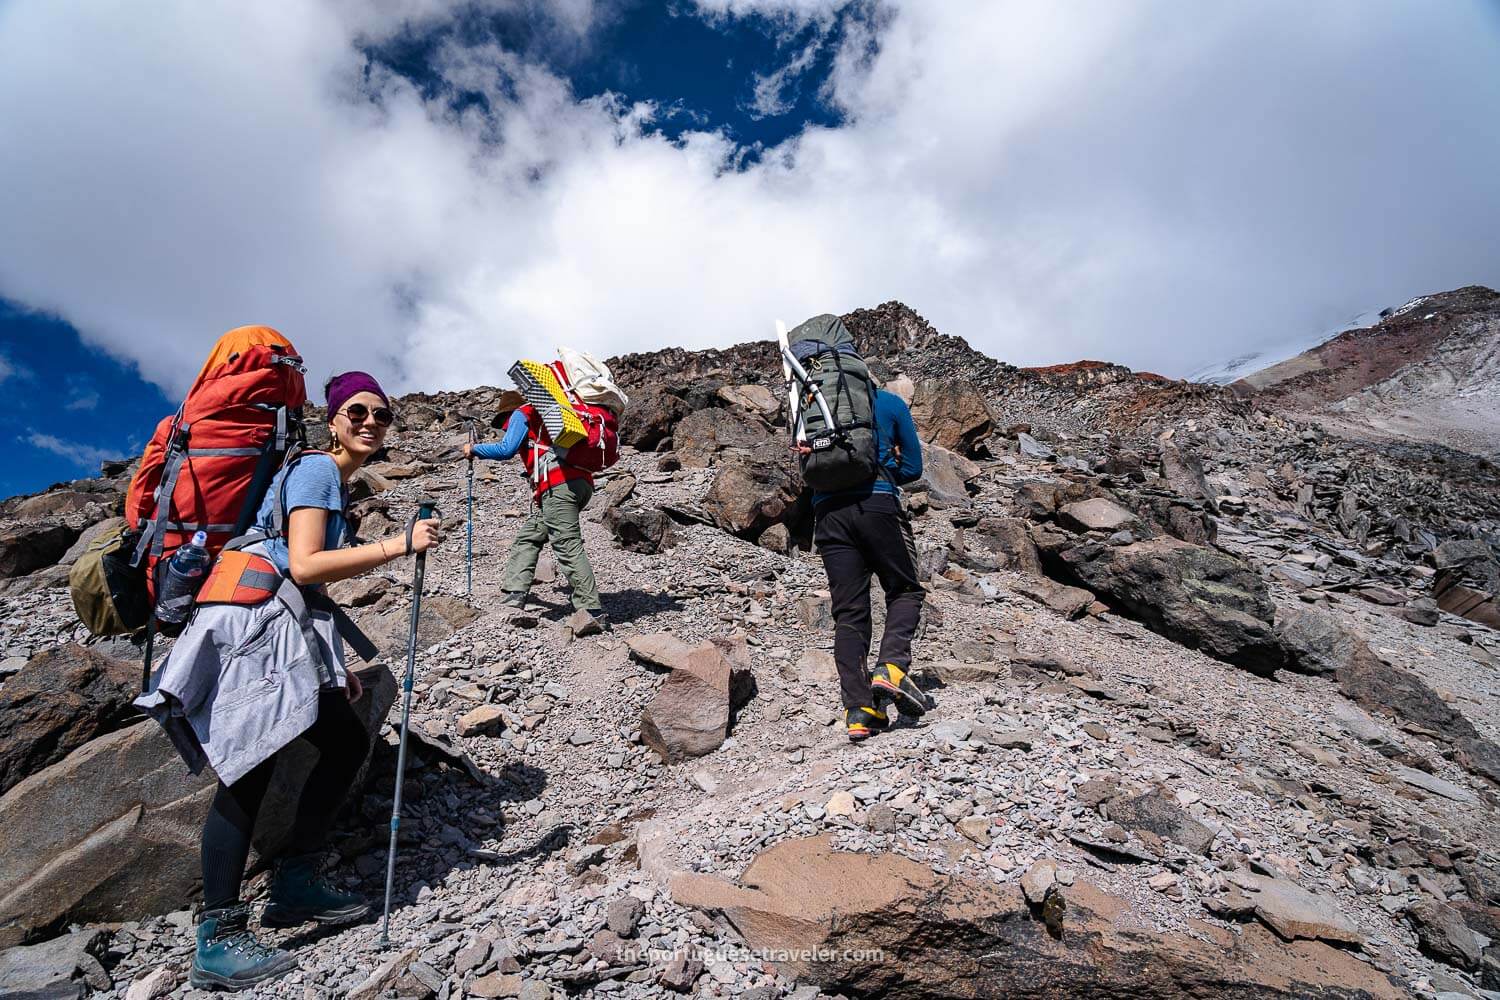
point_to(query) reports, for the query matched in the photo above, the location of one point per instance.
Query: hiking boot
(891, 683)
(588, 621)
(300, 893)
(513, 599)
(863, 723)
(229, 957)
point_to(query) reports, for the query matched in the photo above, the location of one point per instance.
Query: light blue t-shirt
(312, 482)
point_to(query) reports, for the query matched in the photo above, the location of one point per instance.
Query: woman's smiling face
(361, 438)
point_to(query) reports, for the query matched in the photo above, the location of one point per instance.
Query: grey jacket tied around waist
(242, 682)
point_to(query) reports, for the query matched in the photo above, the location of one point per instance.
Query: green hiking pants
(554, 519)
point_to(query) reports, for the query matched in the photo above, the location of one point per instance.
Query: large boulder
(1314, 642)
(55, 503)
(1378, 686)
(58, 702)
(1443, 934)
(442, 615)
(1318, 644)
(952, 413)
(640, 529)
(1156, 812)
(1096, 514)
(28, 547)
(651, 417)
(111, 831)
(700, 435)
(887, 926)
(1200, 597)
(1183, 473)
(753, 399)
(1468, 581)
(996, 543)
(64, 968)
(120, 841)
(947, 474)
(689, 714)
(751, 493)
(1288, 909)
(617, 490)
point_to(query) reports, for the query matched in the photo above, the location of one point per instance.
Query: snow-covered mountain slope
(1247, 364)
(1428, 371)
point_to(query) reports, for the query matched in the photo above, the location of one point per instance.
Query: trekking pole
(469, 543)
(424, 511)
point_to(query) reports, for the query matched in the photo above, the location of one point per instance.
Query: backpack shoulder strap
(278, 509)
(175, 453)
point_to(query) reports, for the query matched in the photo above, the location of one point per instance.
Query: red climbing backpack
(208, 466)
(601, 449)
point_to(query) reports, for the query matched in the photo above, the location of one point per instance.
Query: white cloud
(771, 88)
(1125, 182)
(6, 368)
(84, 456)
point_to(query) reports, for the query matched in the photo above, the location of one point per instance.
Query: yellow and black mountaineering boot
(865, 722)
(891, 683)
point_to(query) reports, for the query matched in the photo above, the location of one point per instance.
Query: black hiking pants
(857, 538)
(341, 742)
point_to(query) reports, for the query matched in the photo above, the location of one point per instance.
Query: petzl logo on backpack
(836, 404)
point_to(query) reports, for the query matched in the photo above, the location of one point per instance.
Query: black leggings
(341, 741)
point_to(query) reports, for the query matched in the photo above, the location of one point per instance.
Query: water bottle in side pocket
(185, 573)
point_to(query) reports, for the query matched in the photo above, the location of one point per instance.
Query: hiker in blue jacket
(863, 531)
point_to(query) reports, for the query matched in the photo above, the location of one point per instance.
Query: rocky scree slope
(1210, 719)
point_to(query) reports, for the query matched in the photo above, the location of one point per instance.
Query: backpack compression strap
(179, 451)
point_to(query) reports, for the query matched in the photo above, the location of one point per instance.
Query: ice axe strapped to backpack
(832, 398)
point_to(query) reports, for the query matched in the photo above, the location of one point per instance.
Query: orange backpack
(208, 466)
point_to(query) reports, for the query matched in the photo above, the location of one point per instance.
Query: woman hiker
(283, 677)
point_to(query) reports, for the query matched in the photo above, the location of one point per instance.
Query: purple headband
(339, 388)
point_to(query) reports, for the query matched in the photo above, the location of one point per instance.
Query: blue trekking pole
(424, 511)
(469, 544)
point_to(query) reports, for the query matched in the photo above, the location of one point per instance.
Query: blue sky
(70, 406)
(74, 405)
(428, 189)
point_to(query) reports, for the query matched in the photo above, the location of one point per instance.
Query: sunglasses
(358, 413)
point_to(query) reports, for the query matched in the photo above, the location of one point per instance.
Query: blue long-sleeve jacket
(509, 443)
(894, 429)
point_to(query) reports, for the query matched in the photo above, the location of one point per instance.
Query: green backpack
(109, 593)
(844, 454)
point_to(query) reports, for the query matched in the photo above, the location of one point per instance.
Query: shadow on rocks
(632, 604)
